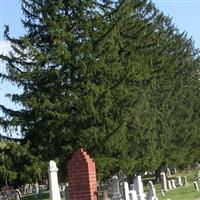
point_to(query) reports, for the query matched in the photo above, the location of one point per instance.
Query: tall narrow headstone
(129, 194)
(173, 184)
(66, 193)
(196, 185)
(105, 195)
(198, 176)
(179, 181)
(138, 186)
(36, 186)
(185, 182)
(126, 190)
(169, 186)
(81, 172)
(53, 181)
(18, 194)
(116, 191)
(152, 192)
(163, 181)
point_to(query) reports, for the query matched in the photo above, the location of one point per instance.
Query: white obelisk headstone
(53, 181)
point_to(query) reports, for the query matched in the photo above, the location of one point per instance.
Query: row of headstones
(170, 184)
(33, 188)
(137, 190)
(135, 193)
(82, 172)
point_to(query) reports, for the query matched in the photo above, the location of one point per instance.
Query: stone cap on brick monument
(81, 172)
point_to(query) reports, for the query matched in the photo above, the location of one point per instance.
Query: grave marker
(173, 184)
(185, 182)
(81, 172)
(53, 181)
(169, 185)
(138, 186)
(152, 192)
(179, 181)
(168, 173)
(163, 181)
(196, 186)
(129, 194)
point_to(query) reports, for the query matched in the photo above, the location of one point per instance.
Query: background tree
(18, 166)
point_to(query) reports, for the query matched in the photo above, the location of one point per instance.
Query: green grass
(43, 196)
(180, 193)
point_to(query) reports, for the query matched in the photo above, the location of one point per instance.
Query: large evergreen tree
(111, 77)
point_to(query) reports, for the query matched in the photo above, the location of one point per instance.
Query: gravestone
(18, 194)
(169, 186)
(129, 194)
(138, 187)
(168, 173)
(116, 188)
(53, 181)
(173, 183)
(185, 182)
(81, 172)
(105, 195)
(66, 193)
(179, 181)
(198, 176)
(196, 186)
(30, 189)
(163, 181)
(36, 186)
(152, 192)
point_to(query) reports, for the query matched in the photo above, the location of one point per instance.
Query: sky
(184, 13)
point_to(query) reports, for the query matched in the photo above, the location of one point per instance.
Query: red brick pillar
(81, 172)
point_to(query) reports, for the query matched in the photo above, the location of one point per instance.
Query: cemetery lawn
(181, 193)
(43, 196)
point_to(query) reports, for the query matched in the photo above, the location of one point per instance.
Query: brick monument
(81, 172)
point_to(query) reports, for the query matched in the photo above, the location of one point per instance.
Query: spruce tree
(69, 68)
(105, 76)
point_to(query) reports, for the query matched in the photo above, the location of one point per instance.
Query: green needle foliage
(18, 166)
(113, 77)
